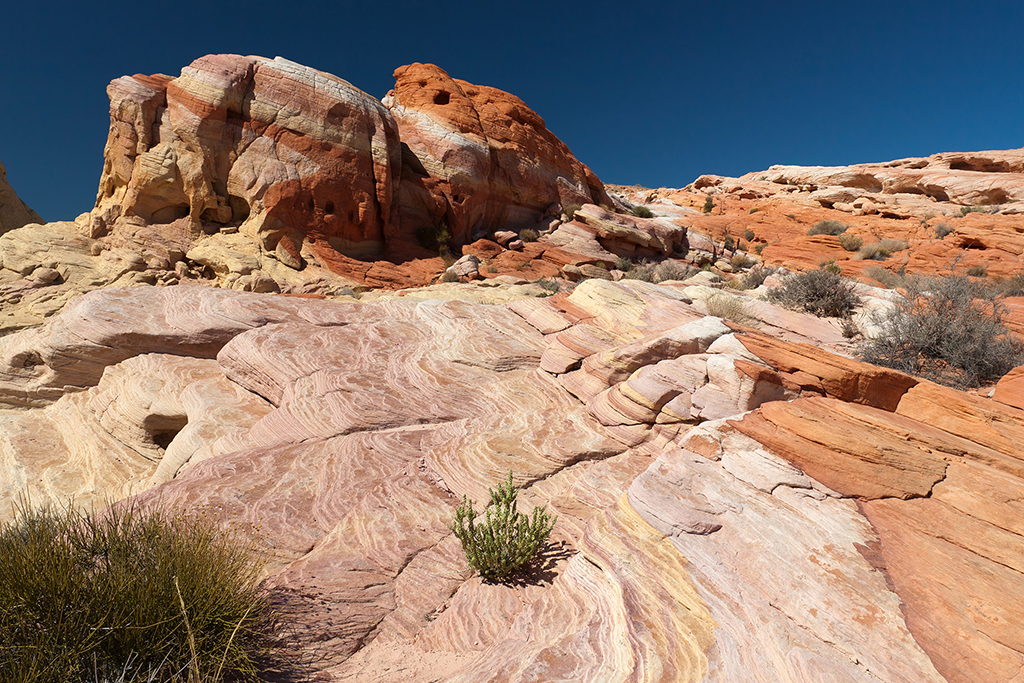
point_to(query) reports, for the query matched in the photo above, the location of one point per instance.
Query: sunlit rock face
(478, 158)
(298, 158)
(731, 506)
(14, 213)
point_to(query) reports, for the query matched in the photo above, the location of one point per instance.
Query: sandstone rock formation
(961, 208)
(731, 506)
(14, 213)
(479, 159)
(295, 158)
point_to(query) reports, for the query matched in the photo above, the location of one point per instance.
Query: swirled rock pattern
(731, 506)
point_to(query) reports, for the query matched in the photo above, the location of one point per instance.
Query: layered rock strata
(731, 506)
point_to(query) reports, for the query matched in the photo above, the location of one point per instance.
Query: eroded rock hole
(163, 429)
(442, 98)
(329, 208)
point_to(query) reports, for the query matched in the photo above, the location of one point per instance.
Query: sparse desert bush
(748, 234)
(942, 229)
(755, 277)
(827, 228)
(529, 235)
(709, 205)
(450, 276)
(741, 260)
(889, 279)
(728, 244)
(819, 292)
(549, 284)
(624, 264)
(850, 242)
(728, 307)
(507, 539)
(880, 251)
(571, 209)
(1011, 286)
(672, 270)
(649, 271)
(129, 595)
(641, 211)
(948, 330)
(977, 271)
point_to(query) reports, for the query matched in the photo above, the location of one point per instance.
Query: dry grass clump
(529, 235)
(821, 292)
(880, 251)
(948, 330)
(129, 595)
(649, 271)
(850, 242)
(641, 211)
(728, 307)
(827, 228)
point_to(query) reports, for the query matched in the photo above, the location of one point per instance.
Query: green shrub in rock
(507, 539)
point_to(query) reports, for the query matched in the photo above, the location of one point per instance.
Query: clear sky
(643, 92)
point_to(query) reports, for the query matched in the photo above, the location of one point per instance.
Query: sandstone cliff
(14, 213)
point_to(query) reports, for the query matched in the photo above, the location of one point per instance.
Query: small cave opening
(310, 205)
(163, 429)
(329, 207)
(442, 98)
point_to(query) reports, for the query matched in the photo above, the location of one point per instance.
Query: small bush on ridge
(641, 211)
(709, 205)
(529, 235)
(850, 242)
(827, 228)
(942, 229)
(820, 292)
(507, 539)
(948, 330)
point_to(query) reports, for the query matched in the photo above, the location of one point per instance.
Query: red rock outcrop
(477, 158)
(951, 208)
(14, 213)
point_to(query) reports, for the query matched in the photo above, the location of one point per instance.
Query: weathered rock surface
(951, 208)
(282, 151)
(477, 158)
(731, 507)
(14, 213)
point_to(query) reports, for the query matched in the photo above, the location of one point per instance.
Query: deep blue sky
(648, 93)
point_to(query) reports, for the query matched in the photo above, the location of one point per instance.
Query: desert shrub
(128, 595)
(977, 271)
(529, 235)
(964, 210)
(880, 251)
(759, 248)
(641, 271)
(755, 277)
(642, 212)
(728, 244)
(740, 260)
(942, 229)
(819, 292)
(709, 204)
(827, 228)
(1012, 286)
(748, 234)
(948, 330)
(849, 328)
(672, 270)
(850, 242)
(435, 238)
(728, 307)
(571, 209)
(507, 539)
(889, 279)
(549, 284)
(624, 264)
(450, 276)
